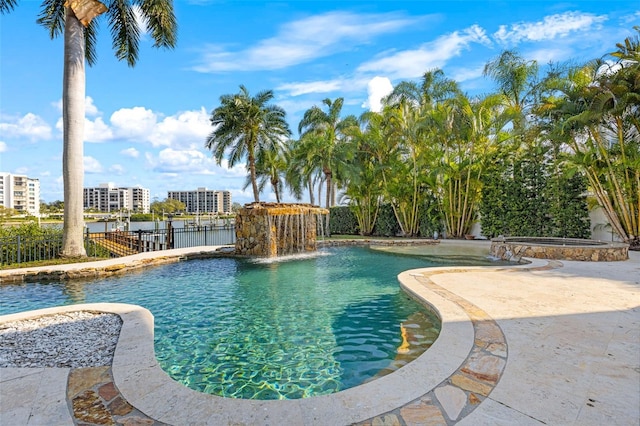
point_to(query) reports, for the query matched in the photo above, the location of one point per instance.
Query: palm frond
(161, 22)
(125, 32)
(52, 17)
(7, 6)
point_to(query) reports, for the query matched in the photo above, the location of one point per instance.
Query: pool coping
(144, 385)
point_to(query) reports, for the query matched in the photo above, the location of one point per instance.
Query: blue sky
(147, 125)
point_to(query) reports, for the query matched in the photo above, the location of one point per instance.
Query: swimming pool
(283, 329)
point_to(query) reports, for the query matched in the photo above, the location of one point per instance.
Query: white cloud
(3, 146)
(553, 54)
(130, 152)
(95, 131)
(91, 165)
(304, 40)
(187, 129)
(142, 22)
(116, 169)
(464, 74)
(413, 63)
(30, 126)
(239, 170)
(550, 28)
(135, 123)
(170, 160)
(378, 88)
(631, 18)
(89, 107)
(303, 88)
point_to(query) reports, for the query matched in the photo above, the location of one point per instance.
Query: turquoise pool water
(284, 329)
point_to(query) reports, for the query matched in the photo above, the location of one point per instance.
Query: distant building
(109, 198)
(20, 193)
(203, 200)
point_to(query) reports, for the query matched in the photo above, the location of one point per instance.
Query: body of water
(267, 329)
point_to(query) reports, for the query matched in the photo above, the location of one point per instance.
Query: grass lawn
(50, 262)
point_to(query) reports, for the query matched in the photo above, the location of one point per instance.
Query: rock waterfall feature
(277, 229)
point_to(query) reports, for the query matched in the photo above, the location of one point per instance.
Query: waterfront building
(203, 200)
(20, 192)
(108, 198)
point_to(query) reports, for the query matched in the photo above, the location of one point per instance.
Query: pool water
(279, 329)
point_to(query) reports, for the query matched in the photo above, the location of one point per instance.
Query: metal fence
(16, 250)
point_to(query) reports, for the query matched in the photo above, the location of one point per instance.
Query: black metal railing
(17, 250)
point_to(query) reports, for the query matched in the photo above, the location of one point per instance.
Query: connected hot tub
(515, 248)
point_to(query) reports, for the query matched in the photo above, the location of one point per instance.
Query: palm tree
(270, 167)
(77, 23)
(247, 127)
(595, 110)
(304, 167)
(363, 175)
(516, 80)
(409, 130)
(327, 130)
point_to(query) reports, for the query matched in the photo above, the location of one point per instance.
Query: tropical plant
(363, 173)
(595, 109)
(247, 127)
(270, 167)
(517, 83)
(322, 133)
(298, 173)
(76, 20)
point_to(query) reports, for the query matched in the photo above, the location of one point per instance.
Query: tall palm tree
(246, 127)
(516, 80)
(363, 175)
(409, 128)
(329, 127)
(595, 109)
(303, 171)
(76, 21)
(270, 168)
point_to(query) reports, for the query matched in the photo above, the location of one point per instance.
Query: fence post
(140, 241)
(19, 255)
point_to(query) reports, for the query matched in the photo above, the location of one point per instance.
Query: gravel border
(71, 340)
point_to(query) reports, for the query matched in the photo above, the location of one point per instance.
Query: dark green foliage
(386, 223)
(430, 219)
(568, 206)
(142, 217)
(530, 197)
(342, 221)
(30, 242)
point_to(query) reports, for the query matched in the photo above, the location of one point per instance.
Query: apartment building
(108, 198)
(20, 192)
(203, 200)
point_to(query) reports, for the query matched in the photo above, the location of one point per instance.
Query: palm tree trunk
(252, 171)
(311, 193)
(328, 194)
(73, 94)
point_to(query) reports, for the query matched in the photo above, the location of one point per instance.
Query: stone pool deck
(544, 343)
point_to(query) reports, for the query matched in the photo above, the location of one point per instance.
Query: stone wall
(602, 252)
(276, 229)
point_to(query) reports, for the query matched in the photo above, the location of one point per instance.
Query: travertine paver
(95, 400)
(473, 381)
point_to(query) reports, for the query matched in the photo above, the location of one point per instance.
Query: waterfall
(270, 229)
